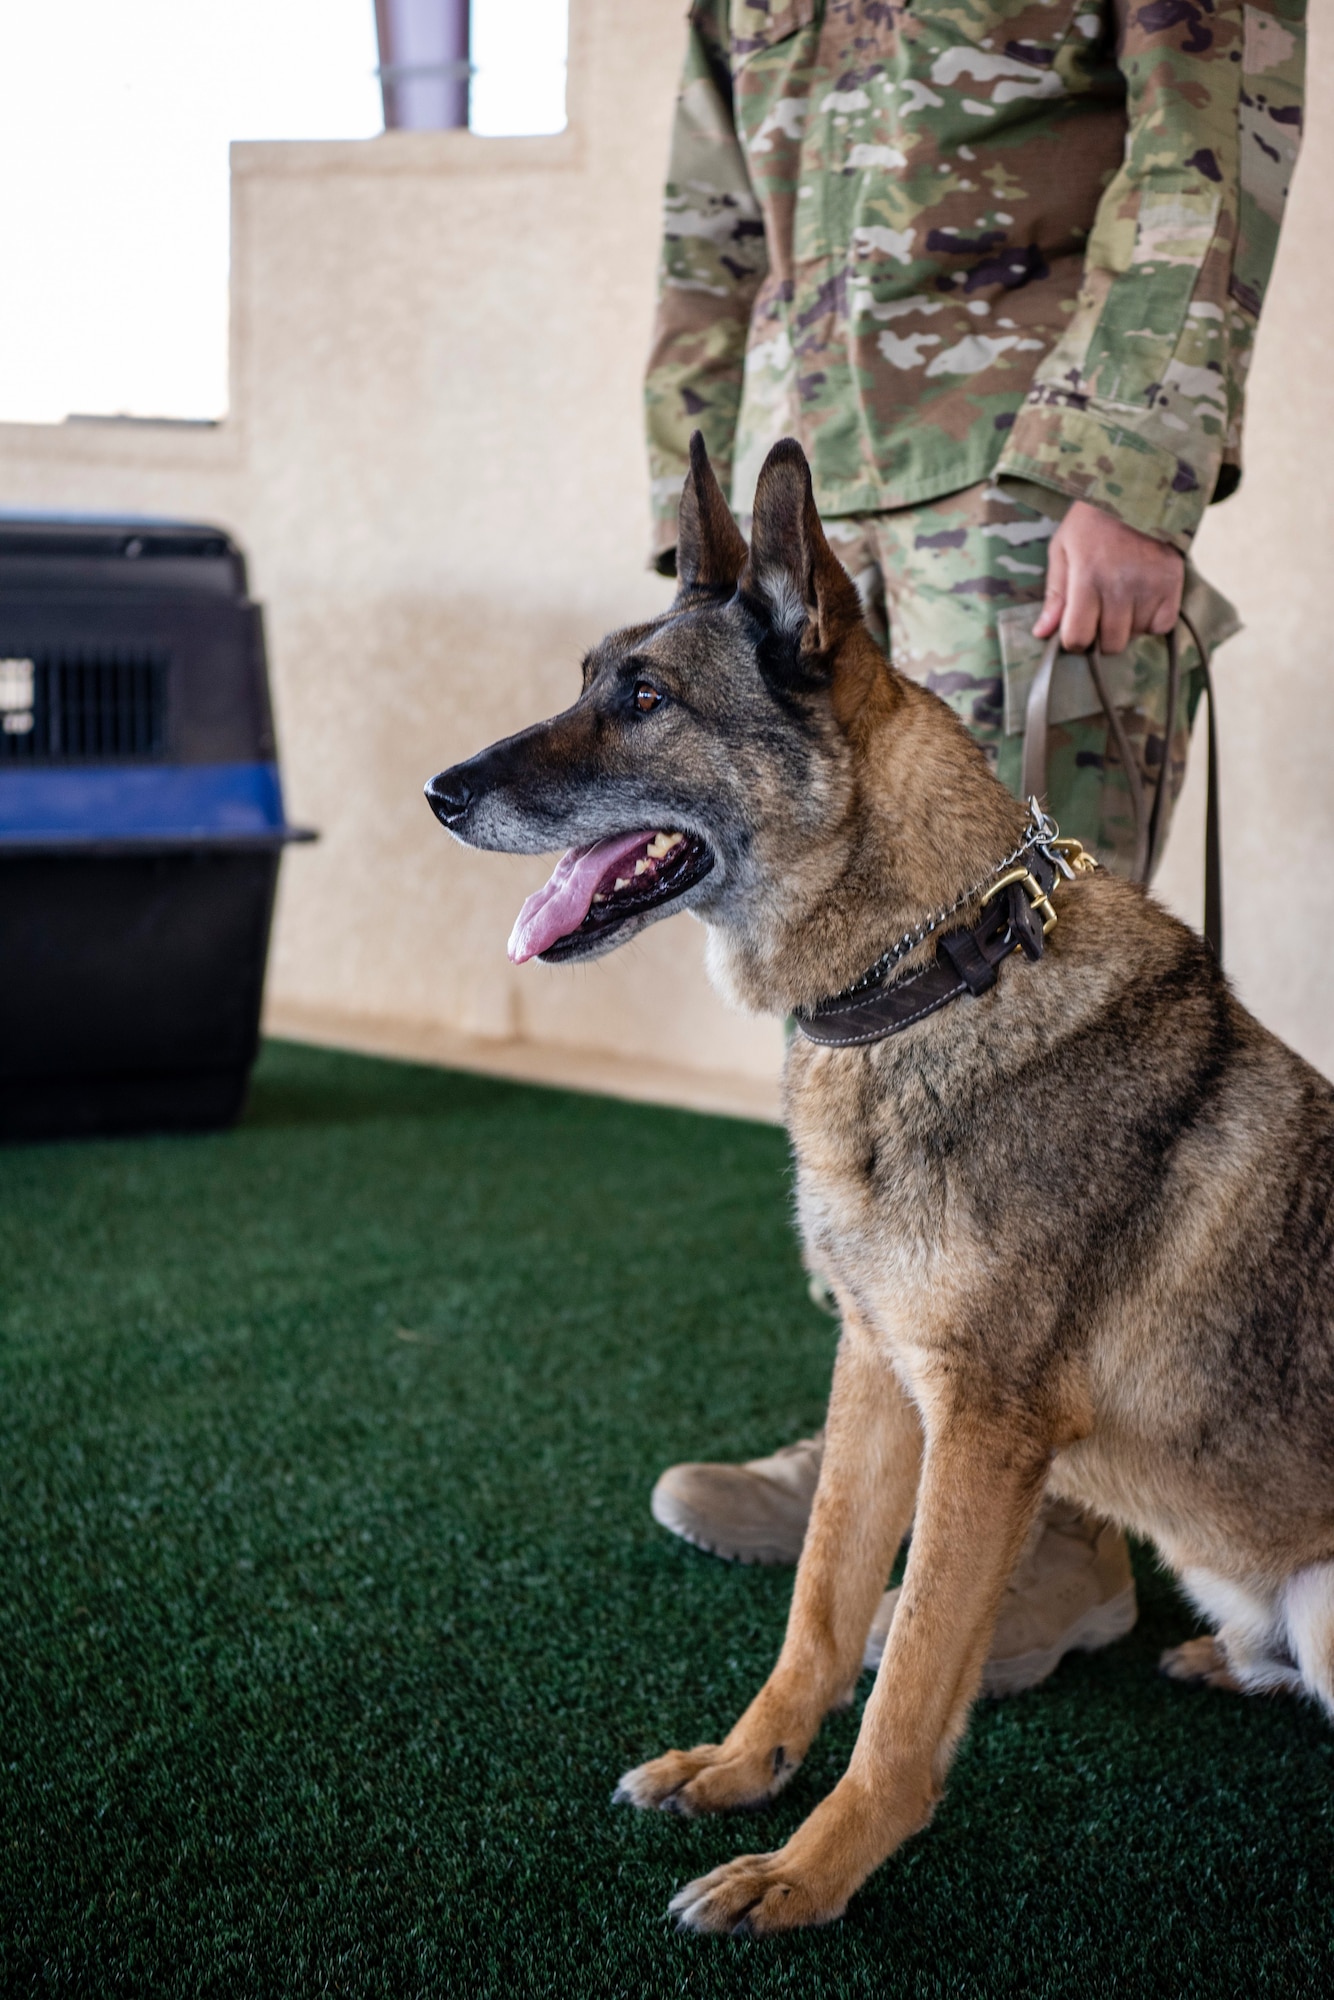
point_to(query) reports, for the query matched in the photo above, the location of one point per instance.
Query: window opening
(497, 66)
(115, 122)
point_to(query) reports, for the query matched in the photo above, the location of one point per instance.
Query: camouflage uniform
(952, 591)
(1009, 251)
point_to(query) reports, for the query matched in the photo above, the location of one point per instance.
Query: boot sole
(1099, 1626)
(687, 1528)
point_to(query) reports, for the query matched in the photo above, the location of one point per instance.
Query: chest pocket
(753, 27)
(992, 39)
(776, 50)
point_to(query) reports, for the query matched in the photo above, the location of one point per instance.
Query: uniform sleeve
(713, 259)
(1138, 407)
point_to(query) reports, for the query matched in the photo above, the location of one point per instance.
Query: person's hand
(1108, 582)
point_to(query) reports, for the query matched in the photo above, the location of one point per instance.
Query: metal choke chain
(1040, 829)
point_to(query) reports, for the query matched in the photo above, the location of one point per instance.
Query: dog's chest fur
(888, 1207)
(960, 1188)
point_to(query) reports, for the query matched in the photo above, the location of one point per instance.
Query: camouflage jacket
(947, 239)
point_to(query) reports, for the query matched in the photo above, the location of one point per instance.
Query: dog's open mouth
(593, 890)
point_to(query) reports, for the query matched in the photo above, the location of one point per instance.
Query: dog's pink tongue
(561, 905)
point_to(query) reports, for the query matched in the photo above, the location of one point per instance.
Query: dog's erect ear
(710, 548)
(793, 576)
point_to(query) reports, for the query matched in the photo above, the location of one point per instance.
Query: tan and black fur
(1080, 1229)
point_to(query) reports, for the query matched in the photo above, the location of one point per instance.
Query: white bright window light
(518, 52)
(115, 118)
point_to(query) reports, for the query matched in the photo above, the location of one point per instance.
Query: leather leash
(1150, 815)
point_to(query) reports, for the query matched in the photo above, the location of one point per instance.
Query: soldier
(998, 265)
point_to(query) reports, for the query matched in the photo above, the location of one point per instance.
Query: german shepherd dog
(1079, 1227)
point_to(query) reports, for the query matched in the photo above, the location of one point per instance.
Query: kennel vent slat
(86, 707)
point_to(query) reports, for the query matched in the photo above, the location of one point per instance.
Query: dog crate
(141, 825)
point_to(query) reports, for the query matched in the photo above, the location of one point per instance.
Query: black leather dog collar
(1017, 917)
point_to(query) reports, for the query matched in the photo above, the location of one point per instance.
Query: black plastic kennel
(141, 824)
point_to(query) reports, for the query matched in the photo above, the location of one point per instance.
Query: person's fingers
(1149, 609)
(1167, 609)
(1053, 603)
(1083, 609)
(1149, 602)
(1117, 622)
(1107, 583)
(1157, 605)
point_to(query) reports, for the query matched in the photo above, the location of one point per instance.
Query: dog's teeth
(599, 899)
(622, 881)
(673, 840)
(642, 867)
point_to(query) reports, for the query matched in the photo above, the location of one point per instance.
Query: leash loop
(1150, 814)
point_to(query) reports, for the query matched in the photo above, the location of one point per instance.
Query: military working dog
(1073, 1201)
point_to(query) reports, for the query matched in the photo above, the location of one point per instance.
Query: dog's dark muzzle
(449, 795)
(478, 800)
(529, 794)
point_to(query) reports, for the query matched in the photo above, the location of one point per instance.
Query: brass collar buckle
(1034, 891)
(1064, 857)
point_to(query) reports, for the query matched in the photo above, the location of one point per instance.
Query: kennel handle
(1150, 815)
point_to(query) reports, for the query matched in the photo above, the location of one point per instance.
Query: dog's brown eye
(646, 696)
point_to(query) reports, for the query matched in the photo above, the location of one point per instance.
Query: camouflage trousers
(952, 590)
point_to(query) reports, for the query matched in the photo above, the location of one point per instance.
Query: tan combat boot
(1072, 1591)
(751, 1513)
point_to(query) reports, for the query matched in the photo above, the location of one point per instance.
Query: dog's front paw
(752, 1896)
(710, 1778)
(1201, 1661)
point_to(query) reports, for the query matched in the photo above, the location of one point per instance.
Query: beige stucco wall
(433, 461)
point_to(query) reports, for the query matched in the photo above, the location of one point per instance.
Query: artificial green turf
(334, 1608)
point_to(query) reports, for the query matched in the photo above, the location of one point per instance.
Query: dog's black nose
(449, 795)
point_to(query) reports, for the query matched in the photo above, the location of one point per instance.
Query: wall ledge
(422, 153)
(142, 442)
(725, 1094)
